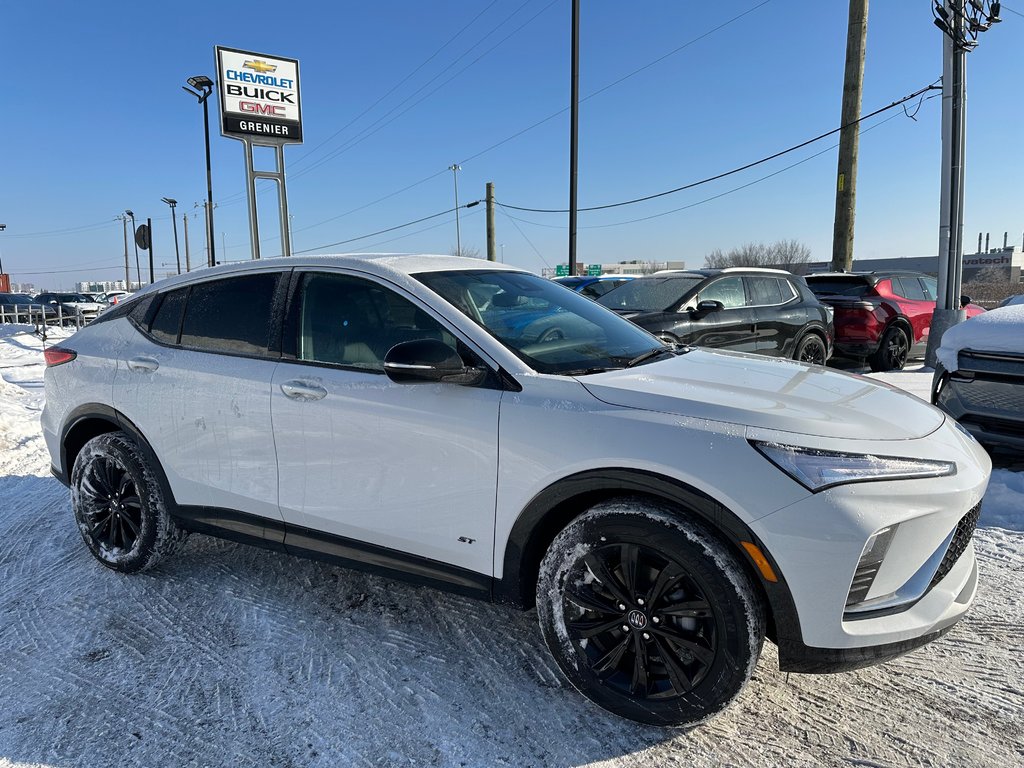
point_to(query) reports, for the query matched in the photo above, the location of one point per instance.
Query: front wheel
(119, 505)
(648, 614)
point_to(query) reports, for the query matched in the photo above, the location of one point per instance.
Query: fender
(554, 507)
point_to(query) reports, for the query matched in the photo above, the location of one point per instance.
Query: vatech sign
(259, 96)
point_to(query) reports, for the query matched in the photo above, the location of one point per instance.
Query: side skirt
(316, 545)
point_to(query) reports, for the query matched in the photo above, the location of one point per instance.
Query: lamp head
(131, 214)
(200, 82)
(170, 201)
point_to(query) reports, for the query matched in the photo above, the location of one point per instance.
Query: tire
(811, 349)
(119, 505)
(648, 614)
(892, 352)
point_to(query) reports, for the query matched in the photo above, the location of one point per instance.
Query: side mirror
(707, 307)
(429, 360)
(964, 301)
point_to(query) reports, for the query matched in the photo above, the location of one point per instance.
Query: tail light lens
(58, 355)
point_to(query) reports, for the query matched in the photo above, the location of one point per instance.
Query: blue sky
(94, 121)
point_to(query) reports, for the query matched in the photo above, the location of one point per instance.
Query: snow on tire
(119, 505)
(648, 614)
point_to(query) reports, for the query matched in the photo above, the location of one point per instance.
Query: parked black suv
(769, 311)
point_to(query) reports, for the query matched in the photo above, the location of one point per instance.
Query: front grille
(961, 538)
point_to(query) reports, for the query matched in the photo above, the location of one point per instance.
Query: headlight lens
(817, 470)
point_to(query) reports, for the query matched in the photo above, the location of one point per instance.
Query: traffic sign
(142, 237)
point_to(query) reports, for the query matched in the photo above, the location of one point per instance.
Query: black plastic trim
(794, 656)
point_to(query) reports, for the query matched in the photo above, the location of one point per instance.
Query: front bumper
(818, 543)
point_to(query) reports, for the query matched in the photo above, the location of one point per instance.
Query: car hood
(768, 393)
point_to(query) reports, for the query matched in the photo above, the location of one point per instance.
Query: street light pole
(455, 168)
(127, 269)
(138, 266)
(574, 130)
(2, 228)
(203, 88)
(174, 222)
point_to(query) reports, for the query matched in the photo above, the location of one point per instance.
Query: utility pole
(455, 168)
(849, 137)
(174, 221)
(961, 22)
(574, 124)
(188, 259)
(491, 255)
(149, 226)
(127, 273)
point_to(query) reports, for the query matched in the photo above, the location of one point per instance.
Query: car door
(916, 306)
(779, 315)
(196, 381)
(407, 467)
(734, 327)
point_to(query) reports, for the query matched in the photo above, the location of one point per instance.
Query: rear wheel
(648, 614)
(119, 505)
(892, 352)
(811, 349)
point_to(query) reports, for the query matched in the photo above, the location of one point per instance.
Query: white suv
(475, 427)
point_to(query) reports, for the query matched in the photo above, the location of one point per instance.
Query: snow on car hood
(768, 393)
(1001, 330)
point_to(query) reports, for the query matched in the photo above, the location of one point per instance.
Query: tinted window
(728, 290)
(650, 294)
(167, 320)
(599, 288)
(353, 322)
(839, 286)
(767, 291)
(908, 288)
(931, 288)
(232, 315)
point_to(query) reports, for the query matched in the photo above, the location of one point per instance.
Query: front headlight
(817, 470)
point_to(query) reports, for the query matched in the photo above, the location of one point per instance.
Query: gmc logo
(261, 109)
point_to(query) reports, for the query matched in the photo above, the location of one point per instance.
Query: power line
(528, 240)
(708, 180)
(1007, 8)
(390, 229)
(68, 231)
(416, 232)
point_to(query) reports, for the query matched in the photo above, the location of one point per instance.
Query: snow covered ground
(230, 655)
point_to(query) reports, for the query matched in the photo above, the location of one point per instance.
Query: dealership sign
(259, 97)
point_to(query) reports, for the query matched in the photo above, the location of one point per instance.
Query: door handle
(143, 364)
(303, 390)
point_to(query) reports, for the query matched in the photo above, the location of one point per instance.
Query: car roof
(709, 272)
(387, 265)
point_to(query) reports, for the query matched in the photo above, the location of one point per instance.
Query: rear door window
(167, 320)
(232, 315)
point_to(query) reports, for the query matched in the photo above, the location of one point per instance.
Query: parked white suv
(475, 427)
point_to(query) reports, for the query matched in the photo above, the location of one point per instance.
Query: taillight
(58, 355)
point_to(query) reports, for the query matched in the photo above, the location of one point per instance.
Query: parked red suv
(881, 317)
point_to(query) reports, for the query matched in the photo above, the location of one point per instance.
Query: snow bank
(1000, 330)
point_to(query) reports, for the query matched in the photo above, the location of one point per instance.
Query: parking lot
(232, 655)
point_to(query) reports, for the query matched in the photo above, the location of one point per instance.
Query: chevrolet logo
(260, 66)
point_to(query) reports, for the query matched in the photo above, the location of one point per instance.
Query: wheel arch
(550, 511)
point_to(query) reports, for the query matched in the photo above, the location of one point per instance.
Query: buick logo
(637, 618)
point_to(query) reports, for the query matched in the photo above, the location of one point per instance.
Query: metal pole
(149, 226)
(188, 258)
(174, 222)
(254, 224)
(286, 232)
(574, 122)
(491, 255)
(950, 261)
(455, 168)
(846, 174)
(209, 181)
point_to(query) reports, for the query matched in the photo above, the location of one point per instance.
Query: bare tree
(782, 254)
(469, 251)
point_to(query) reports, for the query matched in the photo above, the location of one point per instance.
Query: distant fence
(41, 315)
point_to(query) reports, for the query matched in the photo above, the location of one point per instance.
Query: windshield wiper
(651, 354)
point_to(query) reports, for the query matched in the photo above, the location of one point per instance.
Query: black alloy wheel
(649, 614)
(110, 505)
(811, 350)
(892, 352)
(119, 504)
(642, 623)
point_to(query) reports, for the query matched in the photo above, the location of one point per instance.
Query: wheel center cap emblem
(637, 618)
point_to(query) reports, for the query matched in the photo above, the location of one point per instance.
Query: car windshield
(649, 294)
(71, 297)
(550, 329)
(838, 286)
(15, 298)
